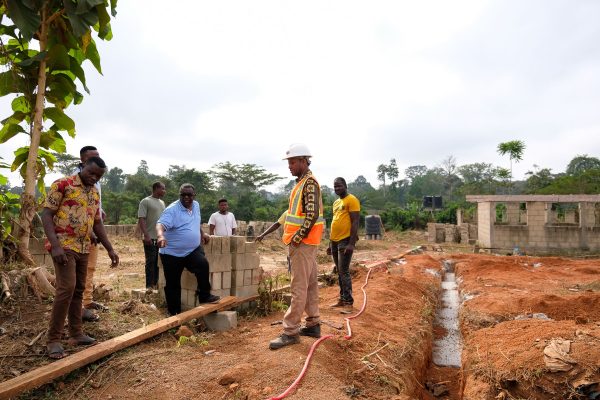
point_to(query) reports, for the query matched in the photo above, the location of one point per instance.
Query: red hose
(299, 378)
(347, 319)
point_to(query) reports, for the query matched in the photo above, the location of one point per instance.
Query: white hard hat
(297, 150)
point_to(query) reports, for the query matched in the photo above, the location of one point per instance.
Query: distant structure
(373, 227)
(540, 224)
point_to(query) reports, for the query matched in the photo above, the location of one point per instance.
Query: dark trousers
(70, 284)
(151, 253)
(342, 262)
(197, 264)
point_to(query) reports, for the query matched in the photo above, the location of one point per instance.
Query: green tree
(478, 178)
(514, 149)
(538, 179)
(114, 180)
(65, 163)
(582, 163)
(415, 171)
(43, 44)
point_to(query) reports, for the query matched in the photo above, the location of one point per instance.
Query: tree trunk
(28, 202)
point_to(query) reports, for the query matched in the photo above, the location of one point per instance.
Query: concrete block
(217, 242)
(247, 277)
(188, 280)
(208, 247)
(219, 262)
(221, 292)
(221, 321)
(226, 280)
(237, 278)
(244, 291)
(225, 245)
(237, 261)
(250, 247)
(215, 280)
(251, 261)
(237, 244)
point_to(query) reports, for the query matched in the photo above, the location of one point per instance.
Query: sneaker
(341, 303)
(283, 340)
(313, 331)
(210, 299)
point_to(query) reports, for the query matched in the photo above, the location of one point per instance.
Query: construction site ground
(512, 310)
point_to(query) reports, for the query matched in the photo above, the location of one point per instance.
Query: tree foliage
(43, 44)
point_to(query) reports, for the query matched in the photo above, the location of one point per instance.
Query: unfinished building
(541, 224)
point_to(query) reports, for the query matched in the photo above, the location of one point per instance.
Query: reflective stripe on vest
(295, 217)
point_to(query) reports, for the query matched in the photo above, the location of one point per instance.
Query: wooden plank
(45, 374)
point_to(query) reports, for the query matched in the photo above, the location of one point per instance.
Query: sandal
(56, 351)
(88, 316)
(81, 340)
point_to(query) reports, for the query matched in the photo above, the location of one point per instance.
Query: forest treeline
(397, 195)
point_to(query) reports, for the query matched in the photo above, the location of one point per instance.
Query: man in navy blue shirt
(180, 238)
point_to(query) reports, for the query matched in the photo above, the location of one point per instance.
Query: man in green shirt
(149, 211)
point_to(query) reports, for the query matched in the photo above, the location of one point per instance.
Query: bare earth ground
(388, 356)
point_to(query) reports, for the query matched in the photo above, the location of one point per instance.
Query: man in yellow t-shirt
(343, 237)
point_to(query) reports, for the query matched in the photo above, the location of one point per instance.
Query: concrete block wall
(544, 231)
(245, 267)
(234, 266)
(120, 230)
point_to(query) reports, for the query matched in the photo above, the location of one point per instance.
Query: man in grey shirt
(149, 211)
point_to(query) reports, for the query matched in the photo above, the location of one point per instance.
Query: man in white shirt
(222, 222)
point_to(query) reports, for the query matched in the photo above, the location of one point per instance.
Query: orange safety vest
(295, 217)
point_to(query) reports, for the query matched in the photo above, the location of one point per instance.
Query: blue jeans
(342, 262)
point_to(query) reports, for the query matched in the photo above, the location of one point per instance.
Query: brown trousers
(305, 289)
(89, 280)
(70, 283)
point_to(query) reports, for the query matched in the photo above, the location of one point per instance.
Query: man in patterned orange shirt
(70, 214)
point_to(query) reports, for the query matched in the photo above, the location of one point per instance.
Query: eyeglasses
(186, 194)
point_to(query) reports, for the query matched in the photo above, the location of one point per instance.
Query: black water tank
(427, 202)
(373, 225)
(437, 202)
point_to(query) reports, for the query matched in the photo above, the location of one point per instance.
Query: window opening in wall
(501, 214)
(566, 214)
(522, 214)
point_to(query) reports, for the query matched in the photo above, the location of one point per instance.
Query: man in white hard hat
(302, 232)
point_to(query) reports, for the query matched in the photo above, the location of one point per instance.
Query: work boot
(283, 340)
(341, 303)
(313, 331)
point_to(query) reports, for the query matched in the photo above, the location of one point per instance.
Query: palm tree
(515, 149)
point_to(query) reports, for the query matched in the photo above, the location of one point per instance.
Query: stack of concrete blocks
(452, 233)
(245, 267)
(120, 230)
(242, 228)
(234, 270)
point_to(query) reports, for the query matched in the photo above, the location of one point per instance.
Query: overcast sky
(195, 83)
